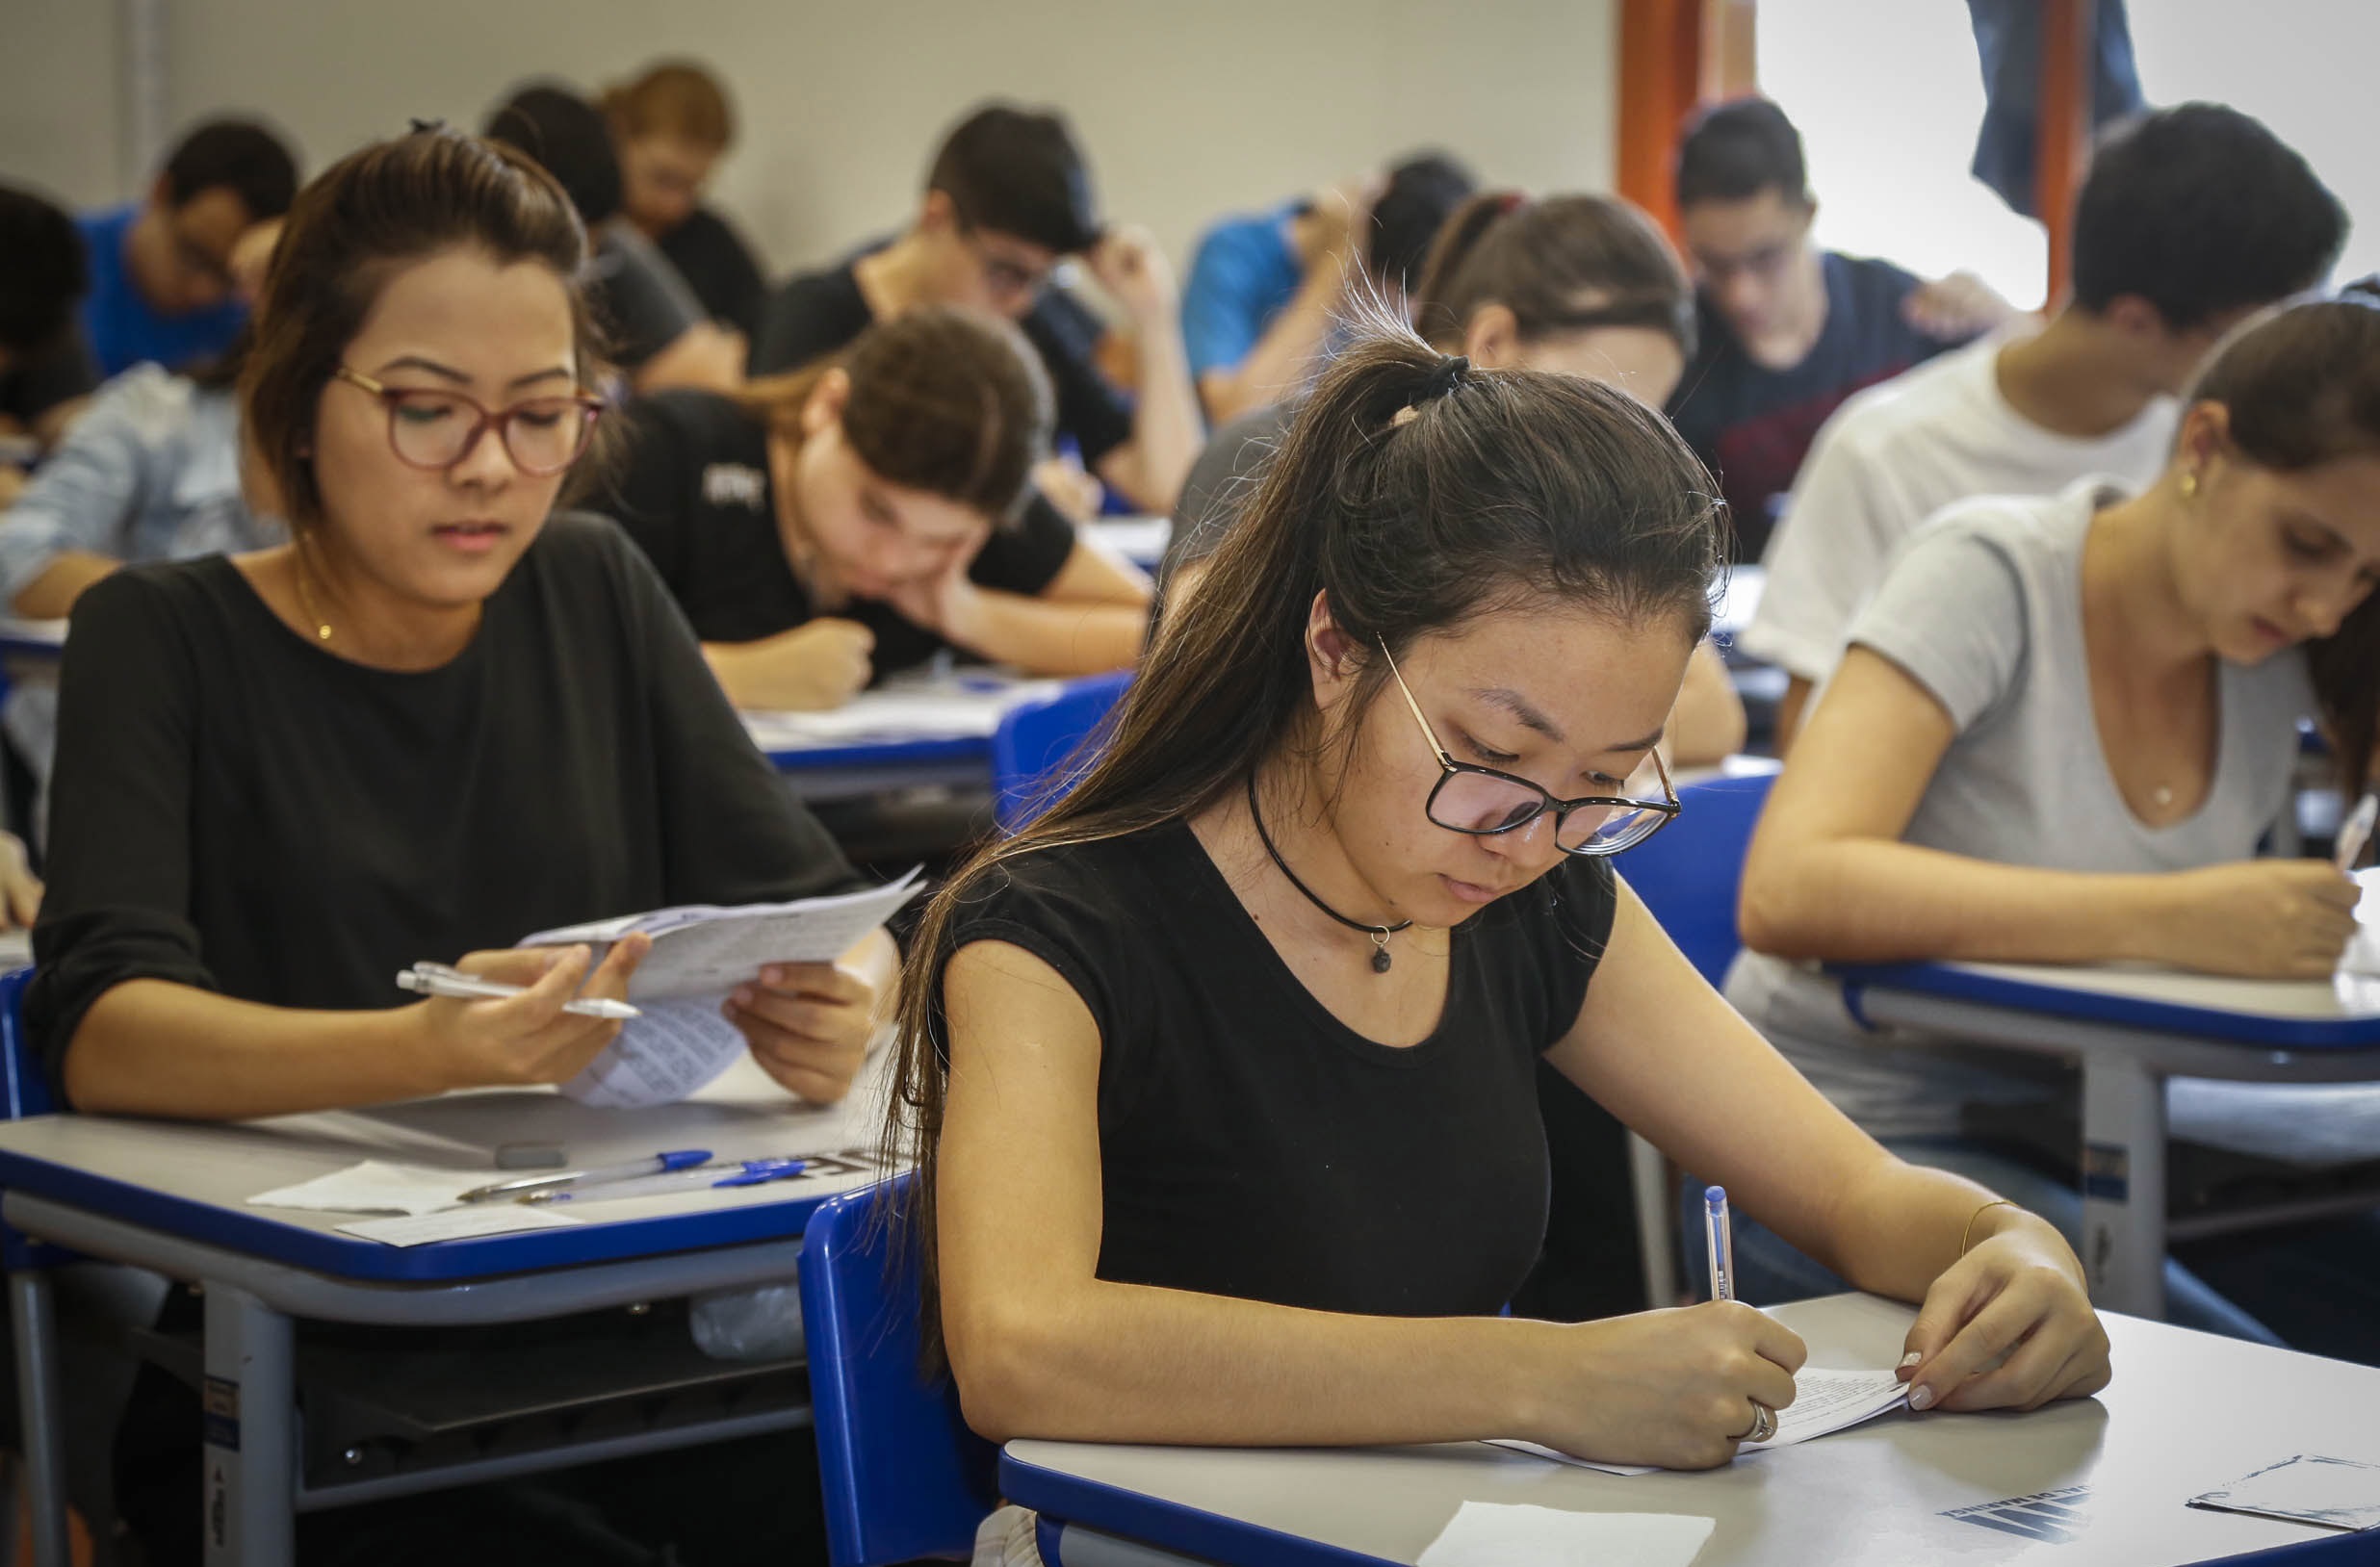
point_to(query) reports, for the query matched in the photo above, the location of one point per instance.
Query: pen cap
(1714, 1198)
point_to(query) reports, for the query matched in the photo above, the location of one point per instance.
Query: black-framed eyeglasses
(1008, 278)
(435, 430)
(1483, 802)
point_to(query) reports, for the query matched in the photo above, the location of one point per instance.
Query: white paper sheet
(378, 1187)
(949, 707)
(1826, 1398)
(456, 1224)
(2337, 1492)
(1504, 1535)
(700, 953)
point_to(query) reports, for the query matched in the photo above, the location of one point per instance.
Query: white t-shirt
(1889, 459)
(1983, 608)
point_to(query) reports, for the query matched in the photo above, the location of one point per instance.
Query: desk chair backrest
(24, 1087)
(1038, 748)
(903, 1477)
(1689, 872)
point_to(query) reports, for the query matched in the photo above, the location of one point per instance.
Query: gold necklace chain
(305, 597)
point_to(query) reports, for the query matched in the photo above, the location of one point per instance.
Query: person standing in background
(1009, 197)
(1264, 289)
(1787, 329)
(163, 280)
(671, 127)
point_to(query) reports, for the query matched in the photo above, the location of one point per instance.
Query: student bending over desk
(849, 519)
(442, 718)
(1238, 1140)
(2059, 731)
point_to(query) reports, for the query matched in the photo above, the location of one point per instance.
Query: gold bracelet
(1996, 1202)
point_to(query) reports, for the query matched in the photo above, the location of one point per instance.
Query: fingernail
(1920, 1397)
(743, 996)
(1911, 1358)
(773, 975)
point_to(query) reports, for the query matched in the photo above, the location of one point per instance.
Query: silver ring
(1764, 1423)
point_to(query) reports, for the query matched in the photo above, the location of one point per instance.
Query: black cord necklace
(1379, 934)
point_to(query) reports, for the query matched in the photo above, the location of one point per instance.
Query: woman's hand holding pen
(2009, 1325)
(527, 1038)
(1672, 1387)
(808, 1025)
(2273, 918)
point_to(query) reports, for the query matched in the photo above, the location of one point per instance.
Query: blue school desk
(170, 1196)
(31, 639)
(2131, 1029)
(2102, 1481)
(928, 730)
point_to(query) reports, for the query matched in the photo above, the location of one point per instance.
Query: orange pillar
(1661, 49)
(2062, 137)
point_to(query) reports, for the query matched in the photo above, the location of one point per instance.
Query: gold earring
(2189, 486)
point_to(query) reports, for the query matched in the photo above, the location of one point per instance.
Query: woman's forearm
(1044, 637)
(153, 1047)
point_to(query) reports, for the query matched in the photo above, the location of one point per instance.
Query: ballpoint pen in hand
(599, 1175)
(1718, 1236)
(438, 979)
(2355, 833)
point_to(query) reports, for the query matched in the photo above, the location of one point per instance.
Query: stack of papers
(956, 708)
(700, 953)
(1826, 1398)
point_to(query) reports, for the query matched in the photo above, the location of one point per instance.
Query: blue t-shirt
(1243, 273)
(124, 328)
(1753, 425)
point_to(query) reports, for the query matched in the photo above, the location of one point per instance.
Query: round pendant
(1379, 961)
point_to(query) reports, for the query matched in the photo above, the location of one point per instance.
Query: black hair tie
(423, 127)
(1444, 379)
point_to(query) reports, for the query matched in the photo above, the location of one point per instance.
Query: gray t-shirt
(1983, 607)
(1220, 482)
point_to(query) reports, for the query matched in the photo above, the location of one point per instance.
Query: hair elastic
(1445, 379)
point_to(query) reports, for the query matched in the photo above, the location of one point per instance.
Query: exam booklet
(700, 953)
(1826, 1398)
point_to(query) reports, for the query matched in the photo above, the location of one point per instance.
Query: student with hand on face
(657, 330)
(441, 716)
(1788, 330)
(1574, 285)
(1009, 197)
(164, 287)
(671, 126)
(840, 523)
(45, 368)
(2062, 725)
(1265, 290)
(1341, 878)
(2189, 218)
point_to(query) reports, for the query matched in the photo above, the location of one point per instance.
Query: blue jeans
(1769, 1271)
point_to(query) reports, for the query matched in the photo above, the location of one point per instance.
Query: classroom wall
(1189, 109)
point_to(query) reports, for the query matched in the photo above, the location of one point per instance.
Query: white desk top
(741, 1116)
(2345, 997)
(2186, 1414)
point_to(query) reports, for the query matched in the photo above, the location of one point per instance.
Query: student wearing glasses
(165, 269)
(1008, 198)
(1221, 1074)
(2060, 731)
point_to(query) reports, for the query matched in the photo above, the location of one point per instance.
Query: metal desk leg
(36, 1316)
(248, 1502)
(2124, 1184)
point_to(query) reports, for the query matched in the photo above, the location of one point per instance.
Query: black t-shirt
(719, 267)
(1253, 1146)
(693, 490)
(818, 312)
(239, 810)
(1753, 425)
(643, 304)
(42, 380)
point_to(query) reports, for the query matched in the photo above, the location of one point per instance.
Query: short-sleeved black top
(693, 490)
(239, 810)
(716, 264)
(817, 313)
(1253, 1146)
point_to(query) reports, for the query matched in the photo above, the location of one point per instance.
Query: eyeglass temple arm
(1419, 716)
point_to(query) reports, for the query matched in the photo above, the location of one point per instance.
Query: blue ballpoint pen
(599, 1175)
(1718, 1235)
(750, 1172)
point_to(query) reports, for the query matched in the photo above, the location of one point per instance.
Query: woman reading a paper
(442, 717)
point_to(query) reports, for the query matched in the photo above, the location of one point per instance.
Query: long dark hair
(2302, 388)
(1565, 263)
(1417, 495)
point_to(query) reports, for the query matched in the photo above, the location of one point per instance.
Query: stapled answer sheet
(700, 953)
(1826, 1398)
